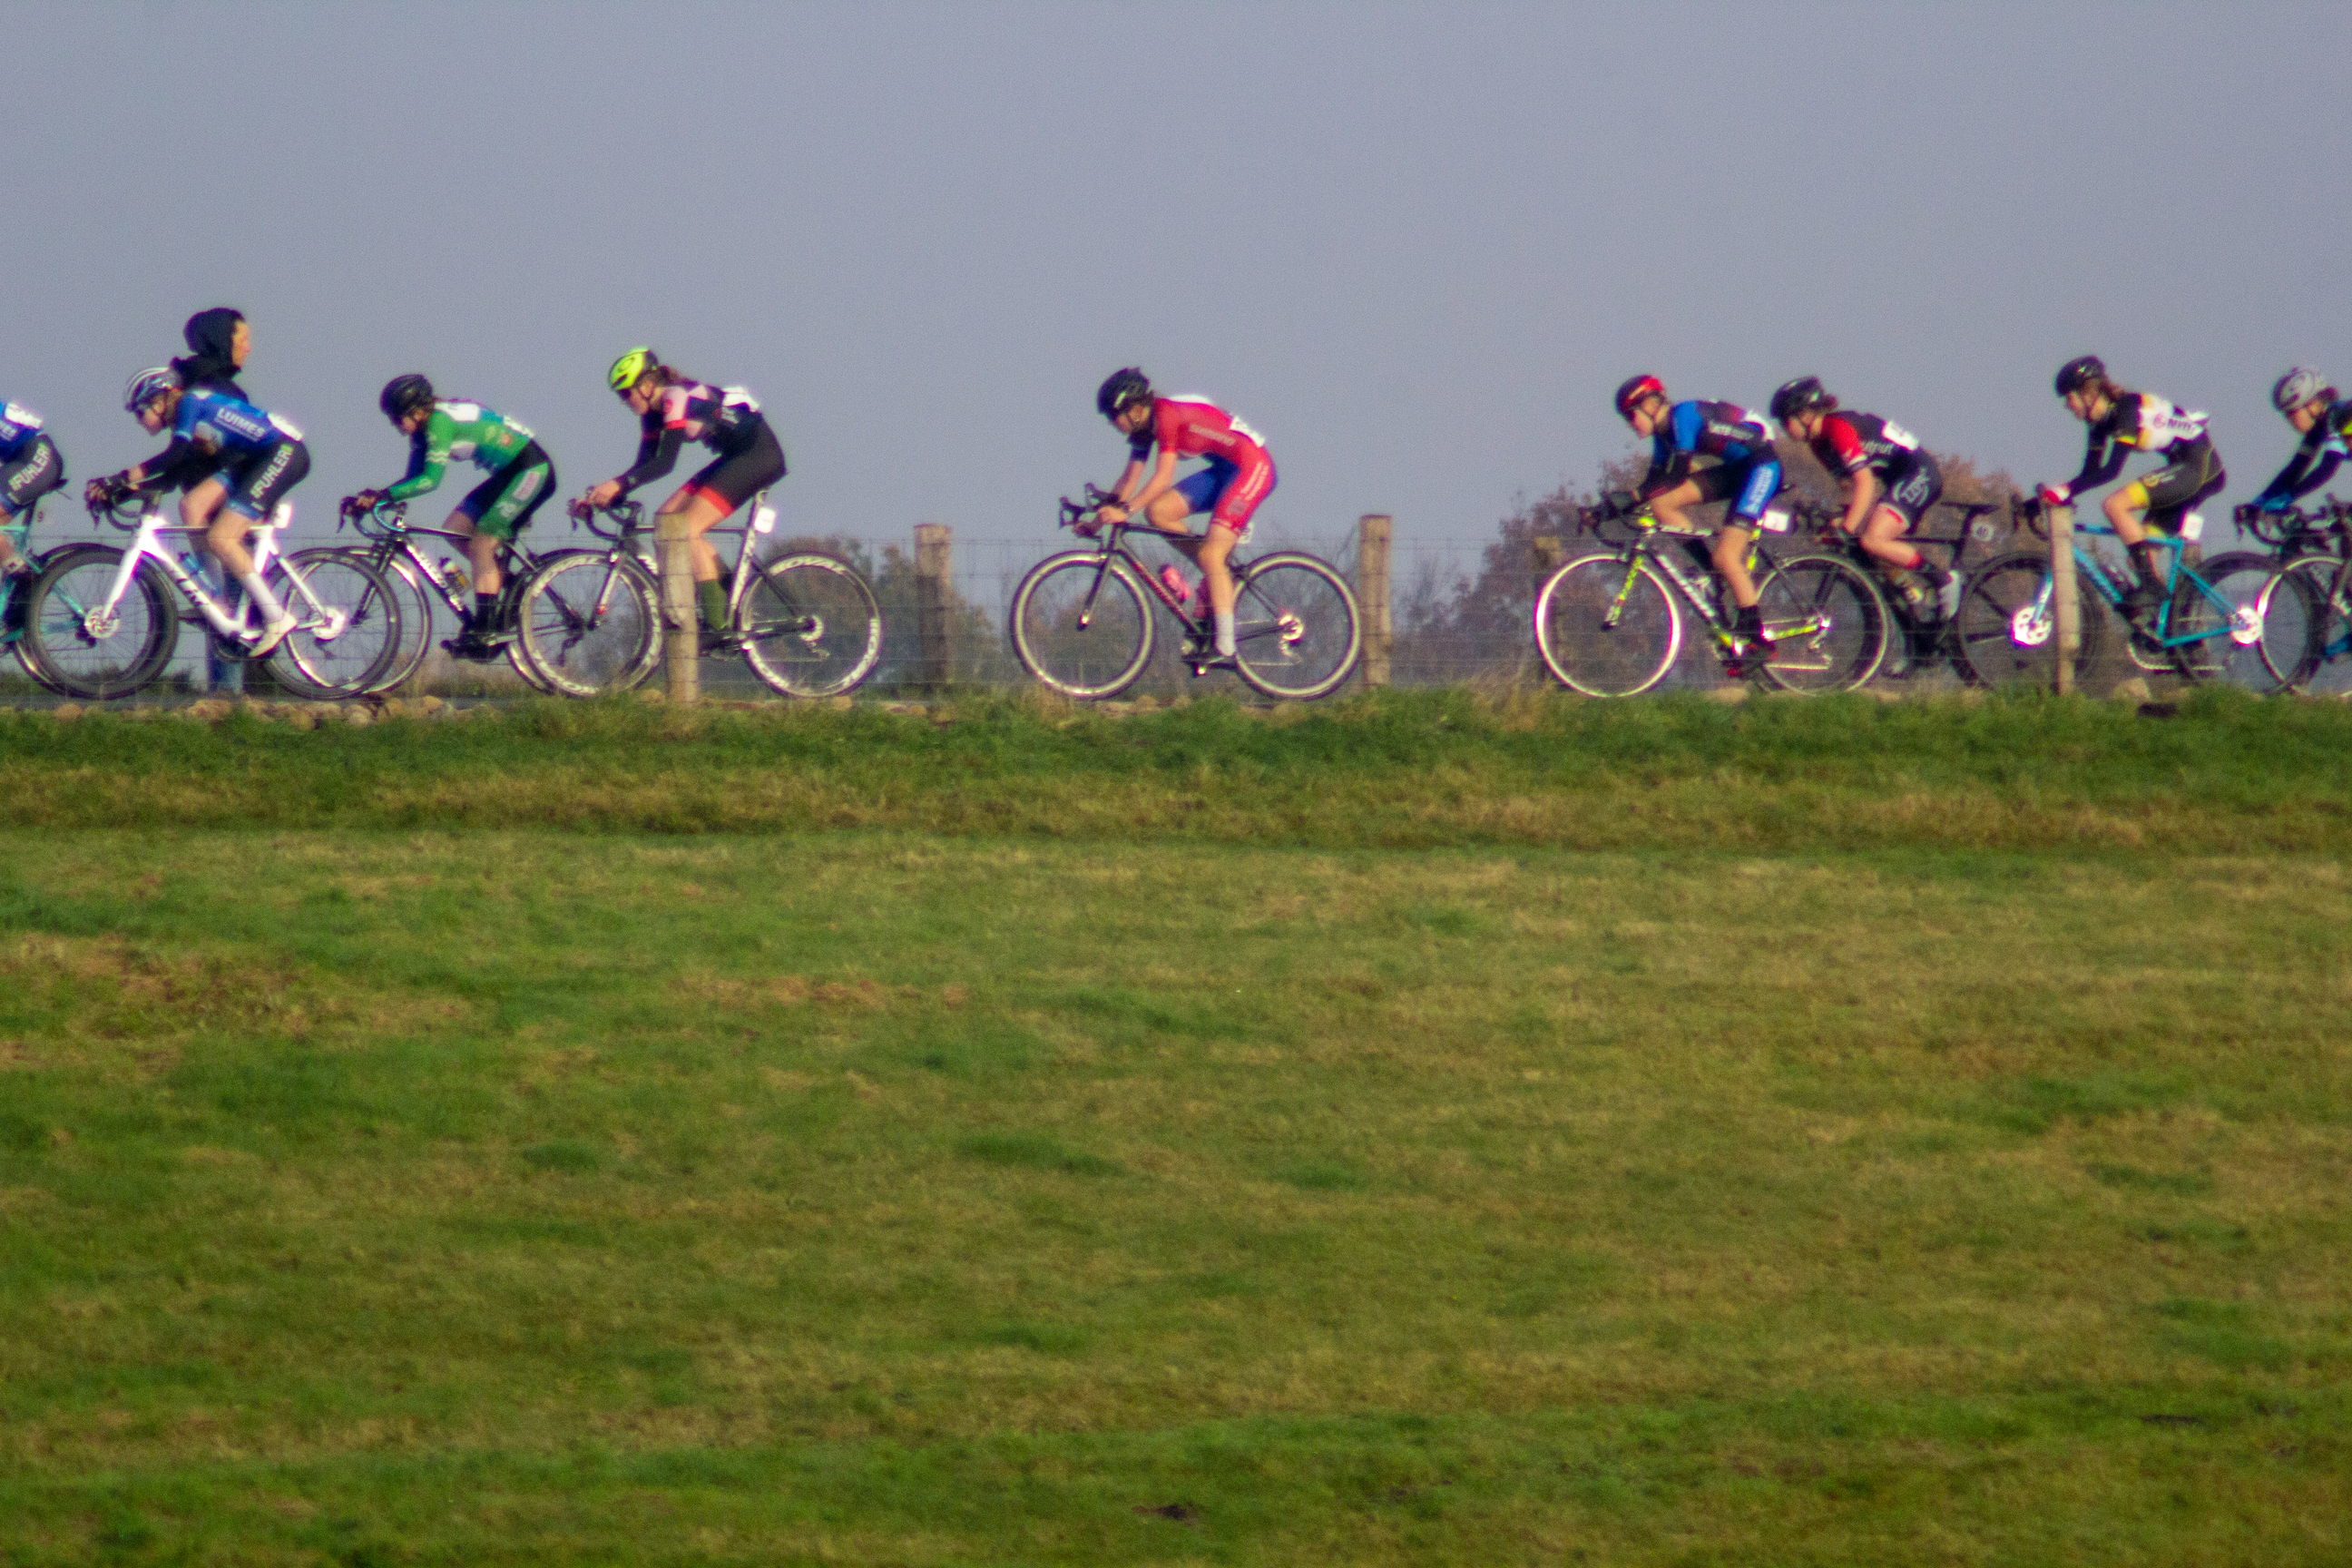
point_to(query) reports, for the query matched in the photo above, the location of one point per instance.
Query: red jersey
(1849, 442)
(1196, 428)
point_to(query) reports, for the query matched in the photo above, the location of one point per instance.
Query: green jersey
(462, 433)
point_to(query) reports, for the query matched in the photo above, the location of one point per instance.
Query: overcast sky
(1416, 246)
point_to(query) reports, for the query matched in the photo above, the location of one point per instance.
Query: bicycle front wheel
(1297, 631)
(590, 624)
(86, 648)
(1081, 625)
(1606, 626)
(348, 630)
(415, 602)
(810, 624)
(1825, 626)
(2008, 628)
(2219, 609)
(2306, 638)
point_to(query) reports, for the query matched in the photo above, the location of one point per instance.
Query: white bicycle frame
(323, 622)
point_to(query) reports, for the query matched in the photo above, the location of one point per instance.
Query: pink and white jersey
(1195, 427)
(719, 417)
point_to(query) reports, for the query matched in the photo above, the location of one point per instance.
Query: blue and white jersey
(19, 427)
(214, 422)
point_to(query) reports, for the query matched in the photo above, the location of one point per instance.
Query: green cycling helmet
(630, 369)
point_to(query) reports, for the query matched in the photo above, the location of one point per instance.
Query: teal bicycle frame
(2241, 625)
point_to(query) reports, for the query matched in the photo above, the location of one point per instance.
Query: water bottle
(455, 575)
(1173, 581)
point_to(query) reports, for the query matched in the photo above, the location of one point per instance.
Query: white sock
(1225, 633)
(263, 599)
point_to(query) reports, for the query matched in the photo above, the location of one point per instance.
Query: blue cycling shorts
(1204, 489)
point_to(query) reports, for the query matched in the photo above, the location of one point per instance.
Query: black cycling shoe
(467, 645)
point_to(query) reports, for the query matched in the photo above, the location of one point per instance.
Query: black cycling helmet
(404, 395)
(1798, 396)
(1121, 389)
(2078, 373)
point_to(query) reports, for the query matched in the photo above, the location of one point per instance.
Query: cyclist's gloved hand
(2053, 495)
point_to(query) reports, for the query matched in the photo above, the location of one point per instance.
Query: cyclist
(2123, 421)
(440, 431)
(2323, 421)
(1742, 468)
(1891, 481)
(30, 467)
(261, 458)
(671, 411)
(1238, 475)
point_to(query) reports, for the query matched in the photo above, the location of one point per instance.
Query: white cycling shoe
(273, 634)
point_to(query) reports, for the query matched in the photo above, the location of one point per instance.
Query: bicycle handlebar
(2276, 528)
(125, 512)
(385, 519)
(629, 515)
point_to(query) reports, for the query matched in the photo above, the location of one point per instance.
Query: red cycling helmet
(1634, 391)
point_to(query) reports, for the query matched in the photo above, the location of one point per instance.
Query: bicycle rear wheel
(2008, 629)
(2225, 622)
(87, 650)
(810, 624)
(349, 633)
(2306, 638)
(589, 624)
(1297, 631)
(1606, 626)
(1081, 625)
(1825, 625)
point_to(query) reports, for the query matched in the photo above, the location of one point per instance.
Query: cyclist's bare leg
(480, 549)
(1882, 536)
(2124, 508)
(702, 515)
(1731, 563)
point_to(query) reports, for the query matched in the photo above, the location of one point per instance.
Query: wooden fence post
(1373, 534)
(934, 577)
(2066, 608)
(681, 628)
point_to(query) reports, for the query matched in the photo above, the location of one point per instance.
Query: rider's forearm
(655, 457)
(1163, 480)
(139, 474)
(1124, 485)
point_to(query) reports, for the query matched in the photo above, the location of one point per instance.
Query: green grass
(406, 1197)
(2225, 773)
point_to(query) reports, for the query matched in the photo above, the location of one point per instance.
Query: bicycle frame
(1113, 546)
(1648, 544)
(2235, 624)
(262, 540)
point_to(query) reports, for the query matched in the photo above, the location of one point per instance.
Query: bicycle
(100, 622)
(1609, 622)
(418, 581)
(2306, 608)
(2208, 626)
(1081, 621)
(806, 623)
(16, 592)
(1927, 637)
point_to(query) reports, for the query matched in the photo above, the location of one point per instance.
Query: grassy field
(1065, 1183)
(2221, 772)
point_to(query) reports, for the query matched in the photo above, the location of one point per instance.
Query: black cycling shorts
(38, 470)
(732, 479)
(1914, 490)
(259, 481)
(2194, 474)
(503, 505)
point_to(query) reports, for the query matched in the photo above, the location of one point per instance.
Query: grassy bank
(2222, 773)
(402, 1197)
